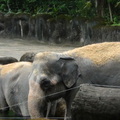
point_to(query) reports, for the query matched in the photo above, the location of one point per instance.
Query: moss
(52, 20)
(23, 16)
(9, 15)
(115, 24)
(44, 16)
(60, 18)
(20, 15)
(99, 19)
(64, 17)
(107, 27)
(100, 24)
(81, 18)
(1, 17)
(2, 14)
(112, 27)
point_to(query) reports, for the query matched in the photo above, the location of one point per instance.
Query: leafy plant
(82, 8)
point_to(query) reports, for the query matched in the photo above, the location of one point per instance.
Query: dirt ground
(17, 47)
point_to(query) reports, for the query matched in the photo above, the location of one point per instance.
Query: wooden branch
(96, 103)
(110, 11)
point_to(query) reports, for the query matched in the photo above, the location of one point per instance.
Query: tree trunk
(96, 103)
(100, 8)
(9, 10)
(110, 11)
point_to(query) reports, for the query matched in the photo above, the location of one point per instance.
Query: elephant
(59, 75)
(14, 89)
(7, 60)
(28, 56)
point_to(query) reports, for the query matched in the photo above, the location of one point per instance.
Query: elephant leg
(69, 98)
(68, 111)
(3, 103)
(48, 109)
(4, 108)
(24, 109)
(51, 108)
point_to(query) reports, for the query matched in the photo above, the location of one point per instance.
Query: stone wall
(62, 29)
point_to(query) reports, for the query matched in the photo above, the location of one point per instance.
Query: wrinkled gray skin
(7, 60)
(14, 88)
(54, 73)
(28, 56)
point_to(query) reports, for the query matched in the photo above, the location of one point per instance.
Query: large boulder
(7, 60)
(28, 56)
(95, 102)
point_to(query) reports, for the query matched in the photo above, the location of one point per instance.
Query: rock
(28, 56)
(95, 102)
(7, 60)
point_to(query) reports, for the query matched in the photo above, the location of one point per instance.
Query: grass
(115, 24)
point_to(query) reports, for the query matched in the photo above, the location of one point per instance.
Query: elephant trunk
(36, 100)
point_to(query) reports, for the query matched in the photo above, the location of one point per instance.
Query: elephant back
(99, 53)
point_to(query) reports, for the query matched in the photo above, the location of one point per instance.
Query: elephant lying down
(55, 75)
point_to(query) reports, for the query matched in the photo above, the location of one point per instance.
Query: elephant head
(52, 75)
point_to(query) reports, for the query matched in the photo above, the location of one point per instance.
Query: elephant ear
(69, 71)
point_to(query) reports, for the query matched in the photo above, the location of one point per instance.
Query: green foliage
(115, 24)
(117, 4)
(74, 8)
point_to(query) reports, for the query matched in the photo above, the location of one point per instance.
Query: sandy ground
(17, 47)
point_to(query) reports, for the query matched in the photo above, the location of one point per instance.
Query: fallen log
(95, 102)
